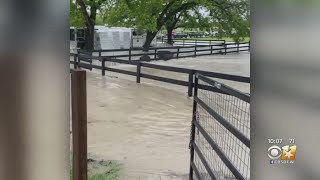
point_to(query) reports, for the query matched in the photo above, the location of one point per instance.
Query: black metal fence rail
(86, 61)
(186, 41)
(220, 132)
(175, 51)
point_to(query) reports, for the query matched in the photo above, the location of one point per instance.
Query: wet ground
(146, 126)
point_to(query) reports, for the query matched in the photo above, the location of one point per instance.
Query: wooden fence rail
(190, 72)
(175, 51)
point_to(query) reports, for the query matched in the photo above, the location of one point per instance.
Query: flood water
(146, 126)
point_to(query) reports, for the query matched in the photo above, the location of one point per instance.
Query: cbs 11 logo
(286, 152)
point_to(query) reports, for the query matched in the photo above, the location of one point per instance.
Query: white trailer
(109, 38)
(119, 38)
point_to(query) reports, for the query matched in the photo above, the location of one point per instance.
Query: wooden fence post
(211, 49)
(238, 47)
(138, 72)
(190, 85)
(195, 51)
(178, 51)
(103, 67)
(155, 54)
(75, 65)
(130, 54)
(79, 124)
(225, 48)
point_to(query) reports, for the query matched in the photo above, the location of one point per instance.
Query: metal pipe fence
(220, 132)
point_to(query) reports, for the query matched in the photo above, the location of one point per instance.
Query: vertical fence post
(79, 124)
(211, 49)
(99, 53)
(178, 51)
(225, 48)
(193, 128)
(79, 61)
(75, 65)
(195, 51)
(130, 54)
(103, 66)
(190, 85)
(238, 47)
(138, 72)
(155, 54)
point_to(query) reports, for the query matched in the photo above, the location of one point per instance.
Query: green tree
(86, 13)
(76, 17)
(230, 18)
(188, 19)
(149, 15)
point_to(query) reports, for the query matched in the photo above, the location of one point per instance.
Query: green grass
(102, 170)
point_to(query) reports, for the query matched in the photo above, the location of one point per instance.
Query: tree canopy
(229, 18)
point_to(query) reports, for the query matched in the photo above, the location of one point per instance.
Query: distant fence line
(85, 60)
(186, 41)
(174, 51)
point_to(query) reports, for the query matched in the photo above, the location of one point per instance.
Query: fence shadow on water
(220, 133)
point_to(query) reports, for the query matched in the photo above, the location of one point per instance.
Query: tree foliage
(85, 13)
(149, 15)
(76, 17)
(229, 18)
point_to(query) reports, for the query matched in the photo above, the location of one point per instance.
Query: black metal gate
(220, 132)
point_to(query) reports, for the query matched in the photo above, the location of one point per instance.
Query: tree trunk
(90, 37)
(149, 38)
(90, 23)
(169, 35)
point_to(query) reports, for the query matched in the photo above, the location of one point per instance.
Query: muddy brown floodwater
(146, 126)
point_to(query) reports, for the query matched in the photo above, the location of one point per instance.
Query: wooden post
(238, 47)
(103, 66)
(138, 72)
(225, 49)
(130, 54)
(211, 49)
(79, 124)
(79, 61)
(190, 86)
(178, 51)
(75, 61)
(195, 50)
(155, 54)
